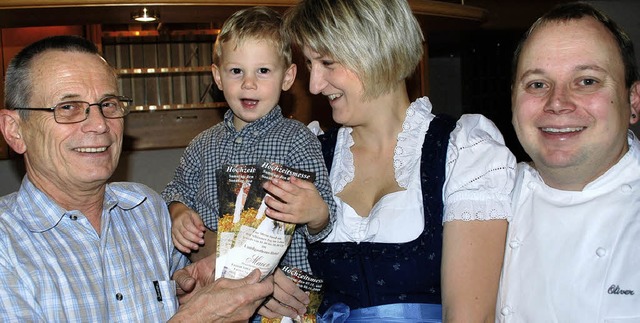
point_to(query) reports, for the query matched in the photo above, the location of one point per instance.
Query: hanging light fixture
(144, 15)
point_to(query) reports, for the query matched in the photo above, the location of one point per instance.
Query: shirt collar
(258, 127)
(41, 213)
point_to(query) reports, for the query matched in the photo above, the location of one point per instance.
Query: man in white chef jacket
(573, 245)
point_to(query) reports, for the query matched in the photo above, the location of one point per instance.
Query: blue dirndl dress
(390, 282)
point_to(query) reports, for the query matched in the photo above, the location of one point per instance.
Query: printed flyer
(247, 239)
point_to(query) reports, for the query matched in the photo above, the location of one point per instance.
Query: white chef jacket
(574, 256)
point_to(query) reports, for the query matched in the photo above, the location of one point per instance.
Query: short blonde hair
(379, 40)
(254, 23)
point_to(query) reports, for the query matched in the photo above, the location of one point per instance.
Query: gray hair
(18, 87)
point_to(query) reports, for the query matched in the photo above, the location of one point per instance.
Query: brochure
(247, 239)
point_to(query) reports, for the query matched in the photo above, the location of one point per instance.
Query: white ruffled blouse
(480, 174)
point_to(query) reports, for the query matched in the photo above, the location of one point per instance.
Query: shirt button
(531, 185)
(73, 217)
(505, 311)
(601, 252)
(118, 296)
(514, 244)
(626, 188)
(238, 140)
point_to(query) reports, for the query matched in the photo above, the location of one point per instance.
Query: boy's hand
(187, 229)
(300, 203)
(287, 300)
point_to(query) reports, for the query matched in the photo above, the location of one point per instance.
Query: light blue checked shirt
(54, 267)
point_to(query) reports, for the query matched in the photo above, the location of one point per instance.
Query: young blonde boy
(252, 65)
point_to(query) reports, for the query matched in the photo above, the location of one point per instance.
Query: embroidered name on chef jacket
(616, 290)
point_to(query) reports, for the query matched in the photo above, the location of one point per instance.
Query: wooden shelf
(65, 3)
(179, 106)
(163, 70)
(420, 7)
(173, 125)
(155, 33)
(17, 13)
(448, 10)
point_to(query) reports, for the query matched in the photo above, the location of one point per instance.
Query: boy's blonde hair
(379, 40)
(260, 23)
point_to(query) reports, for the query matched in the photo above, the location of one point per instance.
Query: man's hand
(193, 277)
(224, 300)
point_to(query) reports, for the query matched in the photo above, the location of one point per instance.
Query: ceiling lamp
(144, 15)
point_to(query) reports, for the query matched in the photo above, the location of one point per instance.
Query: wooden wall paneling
(193, 81)
(124, 61)
(4, 148)
(180, 87)
(205, 78)
(167, 128)
(51, 12)
(163, 58)
(160, 48)
(12, 40)
(165, 74)
(147, 59)
(136, 60)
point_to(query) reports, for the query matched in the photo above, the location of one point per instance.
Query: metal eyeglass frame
(122, 99)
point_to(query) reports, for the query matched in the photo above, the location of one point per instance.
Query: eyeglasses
(111, 107)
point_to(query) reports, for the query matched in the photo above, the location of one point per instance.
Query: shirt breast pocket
(165, 294)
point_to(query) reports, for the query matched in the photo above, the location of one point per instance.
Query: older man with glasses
(72, 247)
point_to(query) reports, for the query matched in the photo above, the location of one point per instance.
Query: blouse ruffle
(480, 169)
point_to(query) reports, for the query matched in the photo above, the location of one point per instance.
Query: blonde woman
(416, 193)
